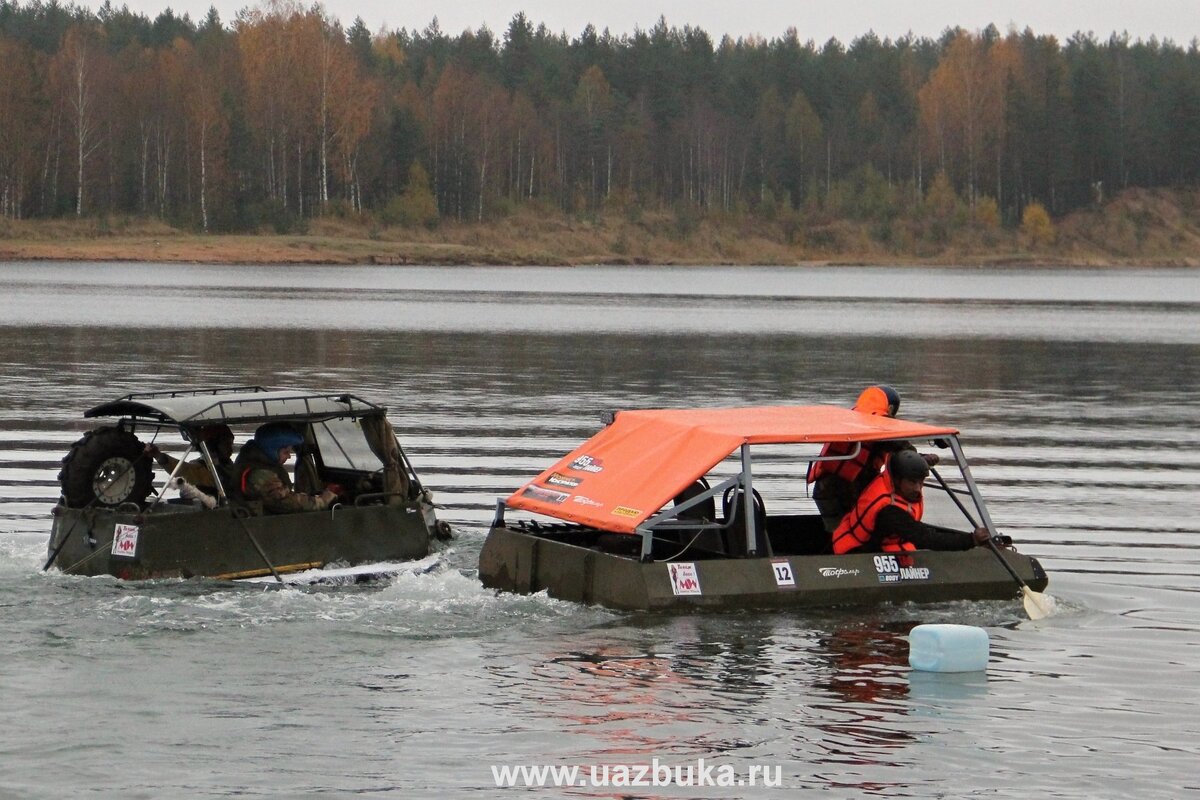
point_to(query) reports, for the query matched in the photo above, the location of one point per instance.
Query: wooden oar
(1037, 605)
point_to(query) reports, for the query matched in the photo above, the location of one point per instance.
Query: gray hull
(521, 562)
(185, 542)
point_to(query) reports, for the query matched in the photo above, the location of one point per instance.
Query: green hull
(184, 542)
(522, 562)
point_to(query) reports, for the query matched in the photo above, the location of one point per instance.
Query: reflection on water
(866, 684)
(1075, 393)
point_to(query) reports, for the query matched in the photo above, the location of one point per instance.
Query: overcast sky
(1178, 20)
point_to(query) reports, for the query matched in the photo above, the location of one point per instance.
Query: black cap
(908, 465)
(893, 398)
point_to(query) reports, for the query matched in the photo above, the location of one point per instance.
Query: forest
(284, 115)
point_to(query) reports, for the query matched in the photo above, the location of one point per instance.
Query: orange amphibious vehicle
(707, 507)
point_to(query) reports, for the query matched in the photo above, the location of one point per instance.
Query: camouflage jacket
(260, 478)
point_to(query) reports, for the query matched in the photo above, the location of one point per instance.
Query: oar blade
(1037, 605)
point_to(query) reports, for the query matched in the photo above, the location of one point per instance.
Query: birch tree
(78, 70)
(593, 103)
(961, 106)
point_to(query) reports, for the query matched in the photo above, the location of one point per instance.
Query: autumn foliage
(284, 115)
(1036, 227)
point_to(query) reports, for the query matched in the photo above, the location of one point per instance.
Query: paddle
(236, 512)
(1037, 605)
(262, 553)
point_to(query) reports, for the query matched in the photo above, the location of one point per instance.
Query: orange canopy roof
(625, 473)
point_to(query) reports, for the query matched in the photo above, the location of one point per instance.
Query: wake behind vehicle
(662, 510)
(110, 521)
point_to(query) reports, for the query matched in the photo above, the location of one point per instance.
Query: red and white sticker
(125, 541)
(586, 463)
(783, 573)
(684, 579)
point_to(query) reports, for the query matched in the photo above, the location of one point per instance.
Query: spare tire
(105, 468)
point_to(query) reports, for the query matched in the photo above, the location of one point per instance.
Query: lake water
(1076, 392)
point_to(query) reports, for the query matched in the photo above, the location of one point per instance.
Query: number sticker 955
(890, 570)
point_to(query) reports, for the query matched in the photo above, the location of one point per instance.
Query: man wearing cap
(837, 483)
(887, 516)
(219, 440)
(261, 475)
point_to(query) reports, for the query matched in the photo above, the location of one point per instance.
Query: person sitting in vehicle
(838, 484)
(219, 440)
(887, 516)
(261, 475)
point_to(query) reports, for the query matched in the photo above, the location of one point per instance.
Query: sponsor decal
(893, 569)
(544, 495)
(887, 570)
(836, 572)
(684, 579)
(625, 511)
(586, 501)
(587, 464)
(558, 479)
(784, 576)
(125, 541)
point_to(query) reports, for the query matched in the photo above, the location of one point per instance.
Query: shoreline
(1138, 230)
(288, 250)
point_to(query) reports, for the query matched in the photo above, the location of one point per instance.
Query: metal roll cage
(669, 518)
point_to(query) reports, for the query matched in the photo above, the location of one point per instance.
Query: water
(1075, 392)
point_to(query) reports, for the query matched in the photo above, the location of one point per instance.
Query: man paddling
(887, 516)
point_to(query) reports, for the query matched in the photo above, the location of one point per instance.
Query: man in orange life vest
(887, 516)
(837, 484)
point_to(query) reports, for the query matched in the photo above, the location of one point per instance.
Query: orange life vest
(872, 401)
(849, 468)
(858, 527)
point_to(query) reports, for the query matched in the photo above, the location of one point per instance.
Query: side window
(343, 446)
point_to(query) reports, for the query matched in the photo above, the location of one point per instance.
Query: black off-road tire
(105, 468)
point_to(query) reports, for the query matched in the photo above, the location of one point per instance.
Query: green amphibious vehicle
(662, 509)
(110, 520)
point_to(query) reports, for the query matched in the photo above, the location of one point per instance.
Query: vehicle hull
(185, 541)
(522, 562)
